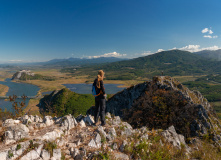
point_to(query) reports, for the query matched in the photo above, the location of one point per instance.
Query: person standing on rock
(100, 98)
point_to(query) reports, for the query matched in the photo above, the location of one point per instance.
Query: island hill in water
(162, 119)
(24, 75)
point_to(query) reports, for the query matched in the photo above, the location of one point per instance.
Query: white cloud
(191, 48)
(196, 48)
(160, 50)
(146, 53)
(112, 54)
(210, 31)
(205, 30)
(211, 48)
(207, 36)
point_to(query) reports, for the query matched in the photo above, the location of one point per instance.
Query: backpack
(95, 90)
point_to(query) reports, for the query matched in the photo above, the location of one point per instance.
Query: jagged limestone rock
(16, 132)
(45, 154)
(10, 122)
(121, 156)
(92, 144)
(57, 154)
(116, 120)
(108, 115)
(88, 120)
(173, 138)
(32, 155)
(50, 136)
(82, 123)
(67, 122)
(100, 130)
(98, 140)
(48, 120)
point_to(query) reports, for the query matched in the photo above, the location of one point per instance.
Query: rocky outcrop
(67, 138)
(163, 102)
(124, 99)
(21, 73)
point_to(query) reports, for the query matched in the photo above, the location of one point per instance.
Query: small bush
(49, 146)
(18, 147)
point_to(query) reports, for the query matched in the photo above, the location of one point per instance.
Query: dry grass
(3, 90)
(4, 74)
(182, 79)
(32, 108)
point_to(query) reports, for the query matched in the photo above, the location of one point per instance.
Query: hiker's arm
(102, 87)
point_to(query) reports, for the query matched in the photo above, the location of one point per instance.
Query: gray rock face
(57, 154)
(100, 130)
(126, 132)
(121, 156)
(45, 154)
(16, 132)
(92, 144)
(98, 140)
(116, 120)
(67, 122)
(32, 155)
(82, 123)
(88, 120)
(172, 137)
(10, 122)
(124, 99)
(48, 120)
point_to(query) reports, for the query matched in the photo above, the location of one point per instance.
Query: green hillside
(173, 62)
(67, 102)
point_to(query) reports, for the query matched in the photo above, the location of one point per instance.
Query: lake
(18, 89)
(86, 88)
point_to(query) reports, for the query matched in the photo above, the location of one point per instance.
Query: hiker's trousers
(100, 106)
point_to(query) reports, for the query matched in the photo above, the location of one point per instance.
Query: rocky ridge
(30, 138)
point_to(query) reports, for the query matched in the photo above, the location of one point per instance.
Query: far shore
(3, 90)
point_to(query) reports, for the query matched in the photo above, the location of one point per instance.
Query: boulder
(9, 122)
(48, 120)
(92, 144)
(120, 156)
(57, 154)
(98, 140)
(175, 139)
(16, 132)
(82, 123)
(67, 122)
(88, 120)
(51, 136)
(45, 154)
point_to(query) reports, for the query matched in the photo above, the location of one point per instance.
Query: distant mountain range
(173, 62)
(80, 61)
(216, 55)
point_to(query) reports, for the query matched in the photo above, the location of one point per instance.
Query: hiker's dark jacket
(101, 89)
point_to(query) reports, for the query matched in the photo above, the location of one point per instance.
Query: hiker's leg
(102, 108)
(97, 110)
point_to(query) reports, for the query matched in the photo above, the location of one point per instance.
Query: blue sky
(40, 30)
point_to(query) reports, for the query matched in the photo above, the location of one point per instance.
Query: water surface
(84, 88)
(17, 89)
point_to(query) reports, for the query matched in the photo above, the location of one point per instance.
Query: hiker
(100, 98)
